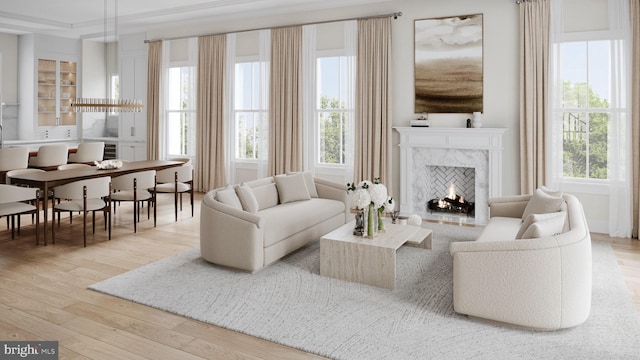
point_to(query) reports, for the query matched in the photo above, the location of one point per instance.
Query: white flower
(378, 195)
(361, 199)
(389, 205)
(364, 184)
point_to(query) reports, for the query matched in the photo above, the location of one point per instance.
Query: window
(181, 112)
(248, 112)
(333, 114)
(584, 106)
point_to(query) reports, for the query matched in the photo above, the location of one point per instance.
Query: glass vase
(372, 222)
(381, 219)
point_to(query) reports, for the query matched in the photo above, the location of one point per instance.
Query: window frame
(190, 112)
(243, 163)
(592, 186)
(326, 168)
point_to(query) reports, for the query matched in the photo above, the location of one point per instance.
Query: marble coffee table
(368, 261)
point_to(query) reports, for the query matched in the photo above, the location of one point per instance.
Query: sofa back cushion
(308, 180)
(266, 196)
(247, 199)
(543, 203)
(292, 188)
(229, 197)
(545, 225)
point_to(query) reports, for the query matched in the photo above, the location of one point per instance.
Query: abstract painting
(448, 60)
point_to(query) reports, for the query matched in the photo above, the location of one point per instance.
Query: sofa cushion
(291, 188)
(542, 203)
(500, 229)
(266, 195)
(548, 227)
(229, 197)
(247, 199)
(288, 219)
(308, 180)
(534, 218)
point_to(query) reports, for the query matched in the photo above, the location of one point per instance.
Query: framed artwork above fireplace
(448, 64)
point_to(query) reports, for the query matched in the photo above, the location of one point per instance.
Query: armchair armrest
(508, 206)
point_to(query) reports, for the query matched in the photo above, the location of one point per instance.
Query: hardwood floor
(44, 295)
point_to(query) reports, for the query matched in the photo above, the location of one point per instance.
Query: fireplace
(451, 203)
(479, 150)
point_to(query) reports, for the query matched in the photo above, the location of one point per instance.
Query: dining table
(50, 179)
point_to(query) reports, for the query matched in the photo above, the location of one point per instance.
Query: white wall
(9, 50)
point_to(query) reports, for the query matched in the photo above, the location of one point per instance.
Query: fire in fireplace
(452, 203)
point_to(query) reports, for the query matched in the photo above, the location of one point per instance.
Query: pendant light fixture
(107, 104)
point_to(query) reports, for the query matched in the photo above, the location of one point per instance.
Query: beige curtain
(534, 66)
(373, 101)
(154, 74)
(210, 148)
(634, 10)
(285, 101)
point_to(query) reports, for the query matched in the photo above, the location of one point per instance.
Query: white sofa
(541, 281)
(254, 224)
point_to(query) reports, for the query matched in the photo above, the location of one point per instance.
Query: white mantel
(478, 148)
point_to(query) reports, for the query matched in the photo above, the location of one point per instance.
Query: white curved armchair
(541, 283)
(50, 156)
(88, 153)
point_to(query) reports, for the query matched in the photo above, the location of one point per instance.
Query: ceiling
(87, 18)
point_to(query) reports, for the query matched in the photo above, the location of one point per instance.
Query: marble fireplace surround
(478, 148)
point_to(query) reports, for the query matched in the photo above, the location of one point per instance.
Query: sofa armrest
(231, 237)
(331, 190)
(508, 206)
(233, 212)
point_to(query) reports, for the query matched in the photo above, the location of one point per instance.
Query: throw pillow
(292, 188)
(542, 203)
(247, 199)
(547, 227)
(534, 218)
(308, 180)
(266, 195)
(229, 197)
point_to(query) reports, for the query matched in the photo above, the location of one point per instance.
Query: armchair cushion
(539, 225)
(542, 203)
(292, 188)
(550, 222)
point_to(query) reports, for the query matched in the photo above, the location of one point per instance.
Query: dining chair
(85, 196)
(88, 153)
(71, 167)
(50, 156)
(13, 158)
(177, 181)
(136, 187)
(15, 201)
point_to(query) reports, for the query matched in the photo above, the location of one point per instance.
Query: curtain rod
(394, 15)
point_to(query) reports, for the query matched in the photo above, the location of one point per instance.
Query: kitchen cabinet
(57, 82)
(49, 79)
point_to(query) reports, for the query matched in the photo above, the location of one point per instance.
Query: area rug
(290, 303)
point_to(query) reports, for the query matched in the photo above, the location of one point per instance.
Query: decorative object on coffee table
(414, 220)
(371, 196)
